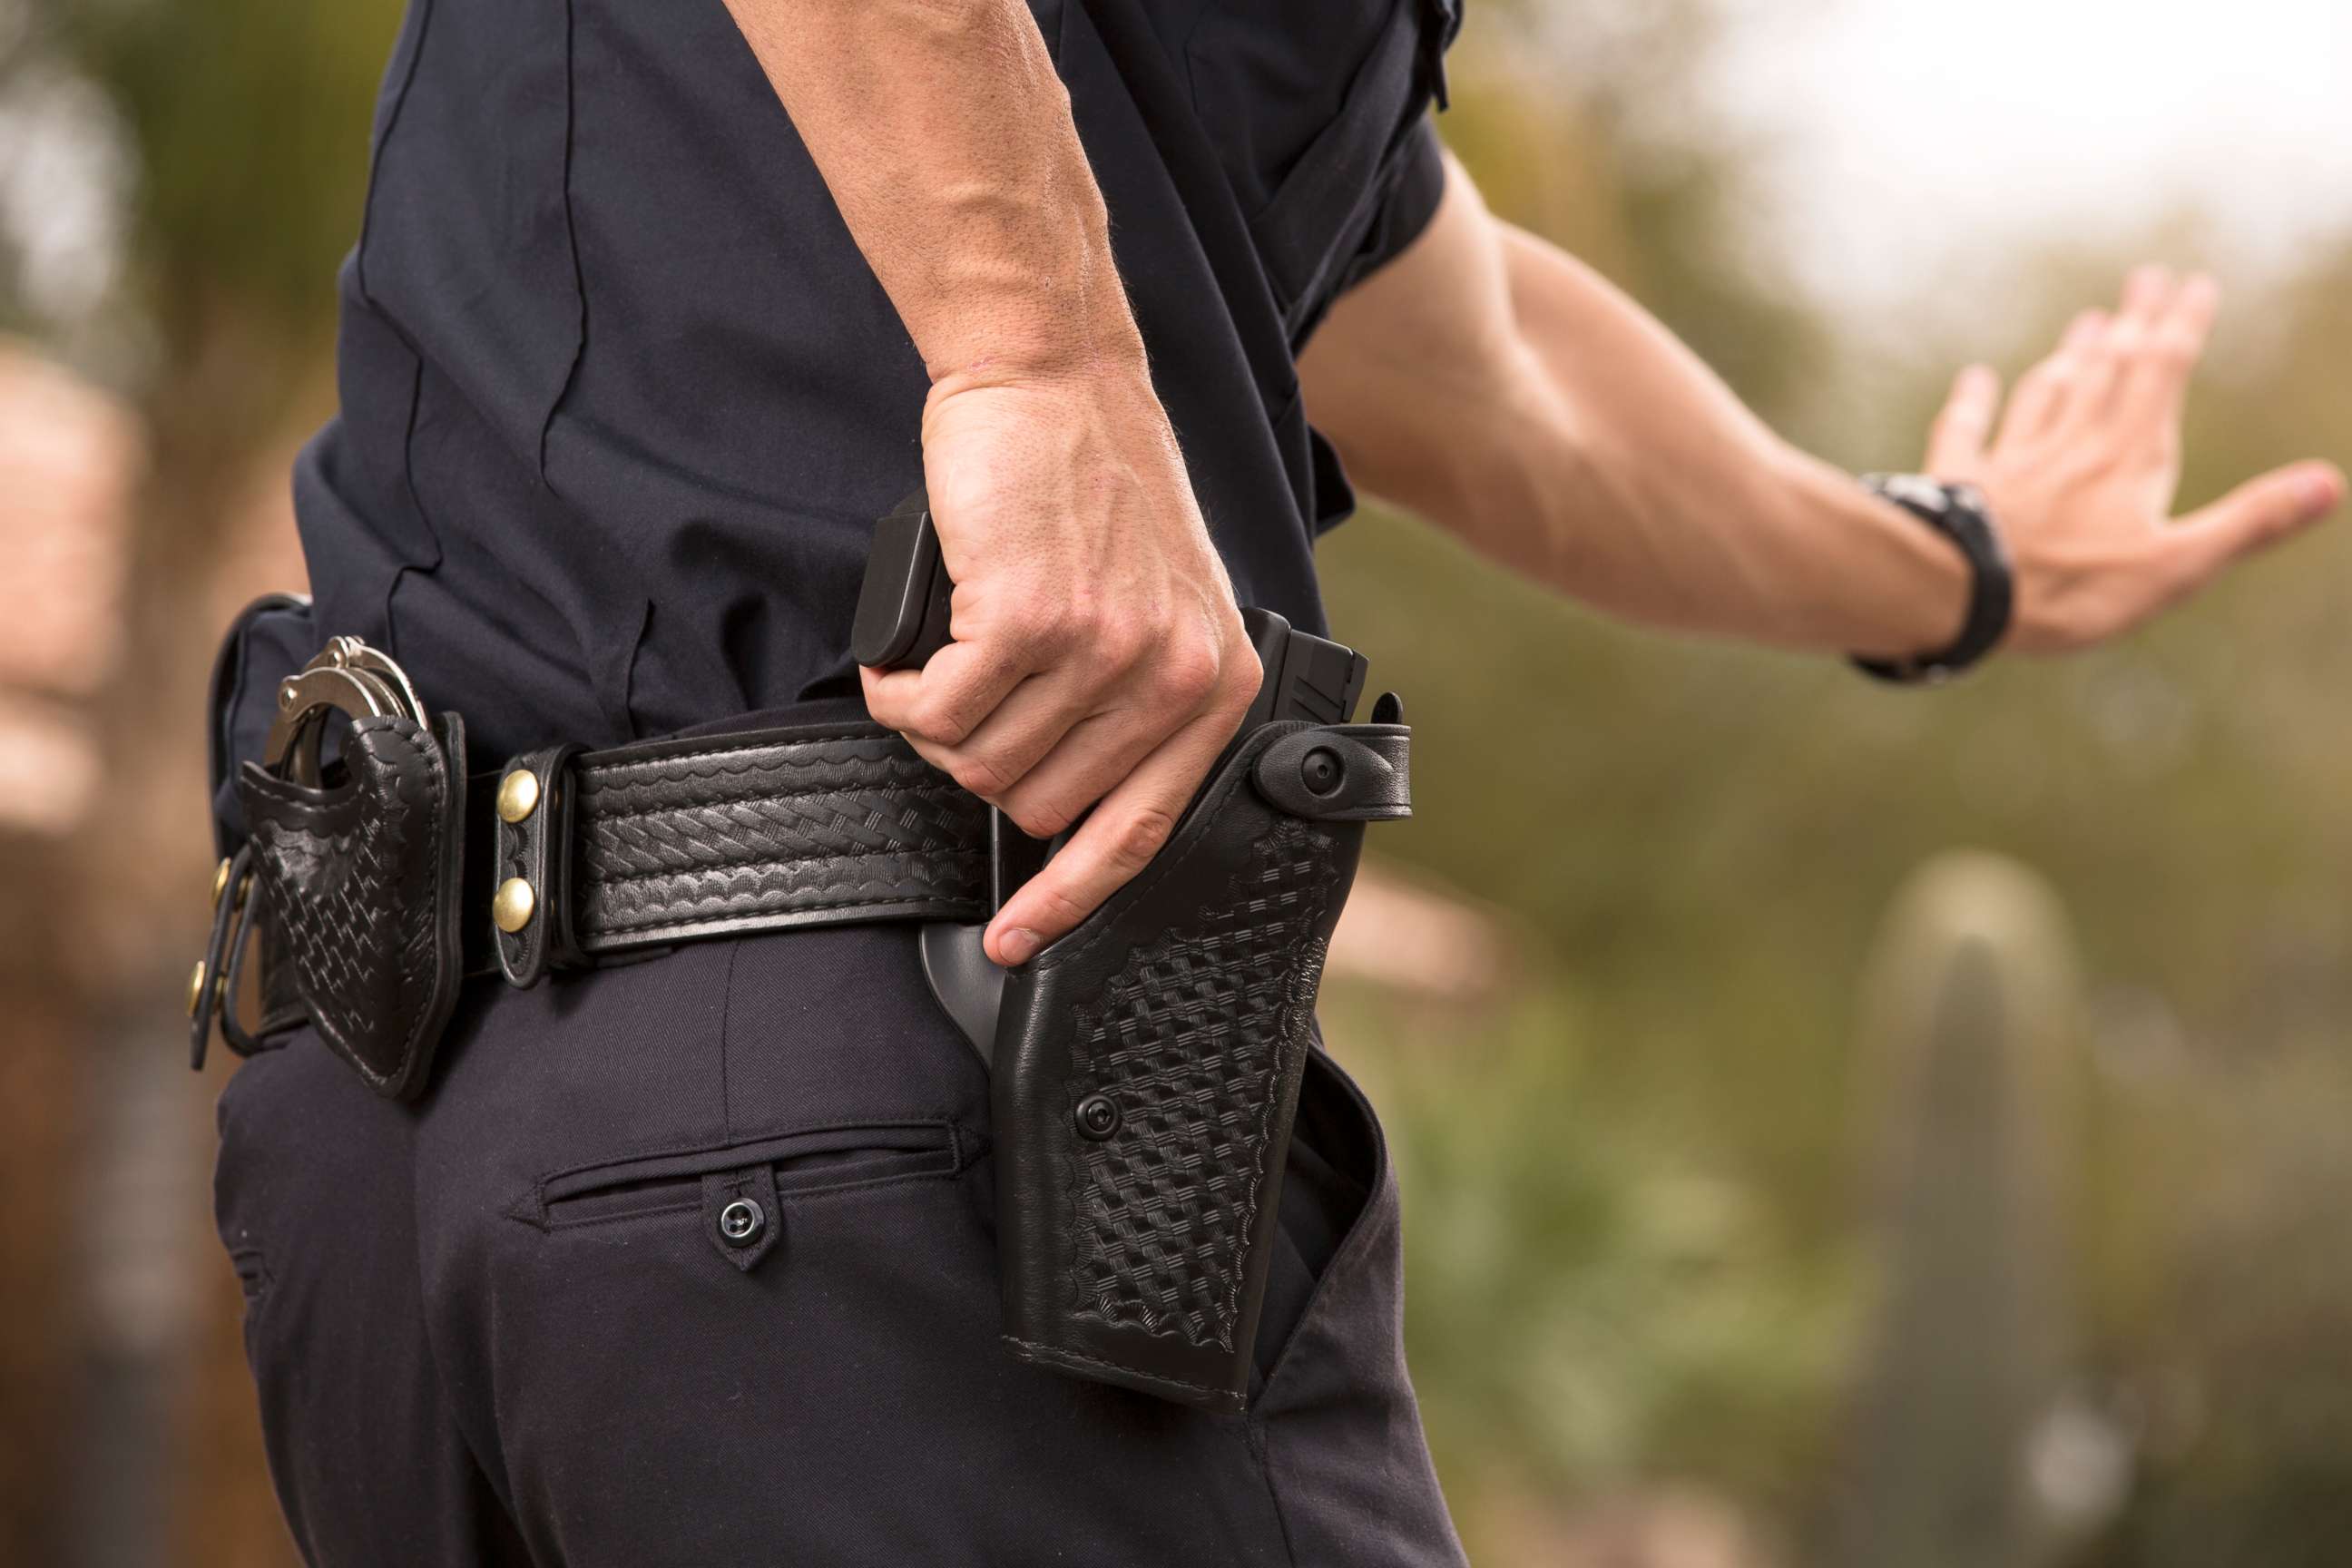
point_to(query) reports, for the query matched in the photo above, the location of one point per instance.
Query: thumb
(1955, 442)
(2259, 512)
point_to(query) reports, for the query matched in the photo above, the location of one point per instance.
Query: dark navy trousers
(501, 1326)
(619, 400)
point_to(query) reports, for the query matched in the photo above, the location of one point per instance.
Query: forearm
(1649, 489)
(1510, 394)
(947, 142)
(1097, 663)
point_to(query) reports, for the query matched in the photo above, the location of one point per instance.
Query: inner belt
(573, 857)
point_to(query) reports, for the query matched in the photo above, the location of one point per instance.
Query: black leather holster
(1148, 1063)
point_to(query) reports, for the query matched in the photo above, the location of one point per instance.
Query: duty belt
(393, 875)
(594, 854)
(1145, 1068)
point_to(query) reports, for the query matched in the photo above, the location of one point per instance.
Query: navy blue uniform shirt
(621, 398)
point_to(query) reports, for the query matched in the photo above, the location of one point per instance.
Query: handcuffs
(347, 677)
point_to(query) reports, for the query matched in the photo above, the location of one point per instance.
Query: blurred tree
(245, 123)
(1594, 125)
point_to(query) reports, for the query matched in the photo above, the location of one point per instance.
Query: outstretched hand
(2082, 472)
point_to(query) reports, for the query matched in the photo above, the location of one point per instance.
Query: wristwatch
(1960, 514)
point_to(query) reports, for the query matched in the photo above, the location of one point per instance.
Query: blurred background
(1838, 1126)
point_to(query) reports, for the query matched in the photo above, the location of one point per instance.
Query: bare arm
(946, 140)
(1502, 389)
(1098, 656)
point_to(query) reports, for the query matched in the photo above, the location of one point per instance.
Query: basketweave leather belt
(379, 883)
(573, 857)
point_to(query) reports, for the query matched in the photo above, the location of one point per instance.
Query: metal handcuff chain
(347, 677)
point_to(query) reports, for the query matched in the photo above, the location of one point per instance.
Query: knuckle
(1118, 643)
(937, 718)
(1039, 818)
(1058, 907)
(1089, 622)
(1044, 625)
(985, 776)
(1241, 675)
(1039, 626)
(1187, 671)
(1138, 838)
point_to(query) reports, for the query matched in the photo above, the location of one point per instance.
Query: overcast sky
(1909, 126)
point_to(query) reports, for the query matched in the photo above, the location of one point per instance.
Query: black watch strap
(1959, 513)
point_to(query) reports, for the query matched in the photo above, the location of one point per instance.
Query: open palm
(2082, 469)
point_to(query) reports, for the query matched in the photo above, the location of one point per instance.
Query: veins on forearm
(946, 140)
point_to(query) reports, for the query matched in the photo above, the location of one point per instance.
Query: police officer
(653, 310)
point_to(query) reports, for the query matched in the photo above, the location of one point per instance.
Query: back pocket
(816, 1162)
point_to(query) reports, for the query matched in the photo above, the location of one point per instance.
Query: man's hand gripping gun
(1146, 1065)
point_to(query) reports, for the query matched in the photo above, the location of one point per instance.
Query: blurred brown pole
(133, 913)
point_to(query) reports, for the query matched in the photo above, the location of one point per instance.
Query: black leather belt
(573, 857)
(379, 883)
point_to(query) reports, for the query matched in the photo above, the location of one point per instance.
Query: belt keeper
(530, 905)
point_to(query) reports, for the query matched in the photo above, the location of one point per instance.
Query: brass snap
(196, 988)
(511, 910)
(517, 795)
(220, 883)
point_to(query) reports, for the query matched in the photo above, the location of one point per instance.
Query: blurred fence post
(1969, 1057)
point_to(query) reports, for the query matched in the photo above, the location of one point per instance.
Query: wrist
(1043, 348)
(1052, 309)
(1873, 582)
(1097, 373)
(1959, 516)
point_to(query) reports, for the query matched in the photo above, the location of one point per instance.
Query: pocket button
(741, 1222)
(740, 1213)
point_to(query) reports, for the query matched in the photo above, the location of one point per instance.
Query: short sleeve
(1416, 179)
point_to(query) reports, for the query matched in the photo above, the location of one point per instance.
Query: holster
(1148, 1063)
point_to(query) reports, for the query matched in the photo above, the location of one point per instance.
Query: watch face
(1961, 514)
(1917, 490)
